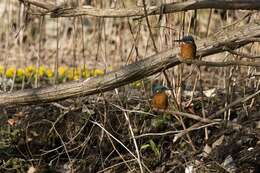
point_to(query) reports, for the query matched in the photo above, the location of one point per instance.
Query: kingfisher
(160, 98)
(188, 48)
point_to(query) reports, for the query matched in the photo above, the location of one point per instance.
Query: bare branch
(224, 64)
(243, 55)
(130, 73)
(153, 10)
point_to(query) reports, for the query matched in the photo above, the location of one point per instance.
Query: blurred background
(56, 45)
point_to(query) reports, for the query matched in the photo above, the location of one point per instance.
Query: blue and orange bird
(160, 98)
(188, 48)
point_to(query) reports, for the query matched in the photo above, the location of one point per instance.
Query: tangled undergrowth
(95, 134)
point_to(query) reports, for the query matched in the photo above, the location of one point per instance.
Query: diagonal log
(128, 73)
(94, 85)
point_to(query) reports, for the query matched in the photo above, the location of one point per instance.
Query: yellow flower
(20, 72)
(86, 73)
(41, 71)
(77, 71)
(1, 70)
(98, 72)
(62, 71)
(49, 73)
(29, 71)
(10, 72)
(76, 77)
(70, 74)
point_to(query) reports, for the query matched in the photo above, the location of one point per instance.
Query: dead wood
(153, 10)
(130, 73)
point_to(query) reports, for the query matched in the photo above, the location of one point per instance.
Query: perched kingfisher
(160, 98)
(188, 48)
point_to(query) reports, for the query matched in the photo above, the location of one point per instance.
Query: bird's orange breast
(188, 51)
(160, 100)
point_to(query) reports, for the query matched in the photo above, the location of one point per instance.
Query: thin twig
(177, 131)
(223, 64)
(243, 55)
(149, 26)
(99, 125)
(238, 101)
